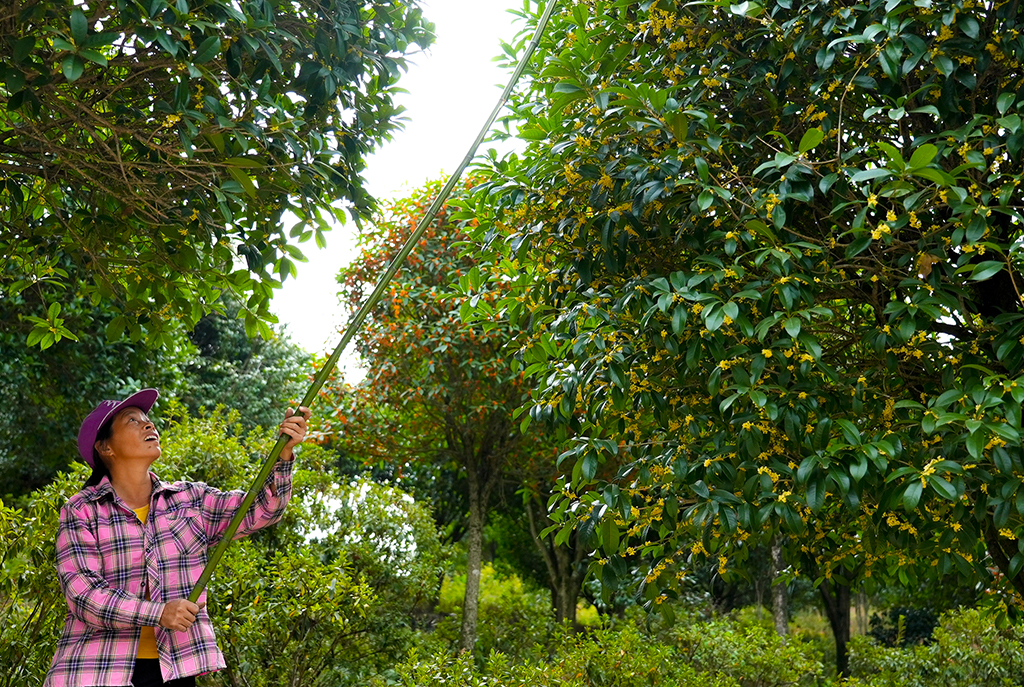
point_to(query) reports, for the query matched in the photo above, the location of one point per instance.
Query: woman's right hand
(178, 615)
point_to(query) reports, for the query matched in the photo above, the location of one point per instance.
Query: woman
(130, 547)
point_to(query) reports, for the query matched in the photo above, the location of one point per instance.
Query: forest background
(738, 327)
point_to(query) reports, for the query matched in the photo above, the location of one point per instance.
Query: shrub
(968, 651)
(607, 658)
(513, 616)
(752, 654)
(903, 626)
(32, 607)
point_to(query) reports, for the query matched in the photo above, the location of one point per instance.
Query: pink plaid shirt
(106, 559)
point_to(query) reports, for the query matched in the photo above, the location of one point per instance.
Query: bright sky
(452, 90)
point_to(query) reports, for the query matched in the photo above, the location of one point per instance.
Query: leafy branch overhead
(158, 148)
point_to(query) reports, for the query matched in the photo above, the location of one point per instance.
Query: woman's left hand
(294, 427)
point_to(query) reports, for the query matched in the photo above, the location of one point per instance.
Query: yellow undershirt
(147, 638)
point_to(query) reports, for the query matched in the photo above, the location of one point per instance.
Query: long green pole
(364, 309)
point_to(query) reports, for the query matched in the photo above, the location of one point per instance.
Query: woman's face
(133, 437)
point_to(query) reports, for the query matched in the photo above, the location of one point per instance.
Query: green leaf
(589, 466)
(207, 50)
(942, 487)
(923, 156)
(868, 174)
(679, 316)
(976, 444)
(816, 494)
(95, 57)
(617, 375)
(912, 495)
(609, 534)
(810, 139)
(792, 326)
(23, 47)
(243, 179)
(702, 169)
(859, 468)
(1005, 101)
(72, 67)
(938, 176)
(986, 270)
(714, 316)
(79, 27)
(705, 199)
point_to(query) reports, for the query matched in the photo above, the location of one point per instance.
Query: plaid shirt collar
(105, 488)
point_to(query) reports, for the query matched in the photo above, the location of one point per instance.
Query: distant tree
(438, 393)
(159, 147)
(44, 394)
(255, 376)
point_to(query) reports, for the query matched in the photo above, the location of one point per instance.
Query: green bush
(968, 651)
(513, 616)
(32, 606)
(751, 653)
(628, 657)
(607, 658)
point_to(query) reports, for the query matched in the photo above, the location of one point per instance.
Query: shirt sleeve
(220, 506)
(89, 596)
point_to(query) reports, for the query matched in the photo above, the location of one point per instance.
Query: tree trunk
(474, 559)
(564, 565)
(780, 591)
(837, 608)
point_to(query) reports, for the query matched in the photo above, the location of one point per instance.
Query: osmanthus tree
(768, 257)
(160, 147)
(438, 392)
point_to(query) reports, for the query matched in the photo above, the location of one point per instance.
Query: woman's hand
(178, 615)
(294, 427)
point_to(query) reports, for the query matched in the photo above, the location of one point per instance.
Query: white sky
(452, 90)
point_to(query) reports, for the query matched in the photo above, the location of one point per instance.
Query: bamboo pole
(364, 309)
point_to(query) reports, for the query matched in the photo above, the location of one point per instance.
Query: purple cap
(142, 400)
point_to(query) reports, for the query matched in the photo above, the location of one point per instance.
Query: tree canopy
(439, 395)
(152, 152)
(767, 255)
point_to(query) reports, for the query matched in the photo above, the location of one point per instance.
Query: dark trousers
(147, 674)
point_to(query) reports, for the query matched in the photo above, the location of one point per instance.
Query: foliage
(44, 394)
(514, 617)
(752, 654)
(766, 258)
(153, 145)
(326, 597)
(431, 372)
(968, 651)
(32, 607)
(256, 377)
(439, 394)
(620, 658)
(903, 626)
